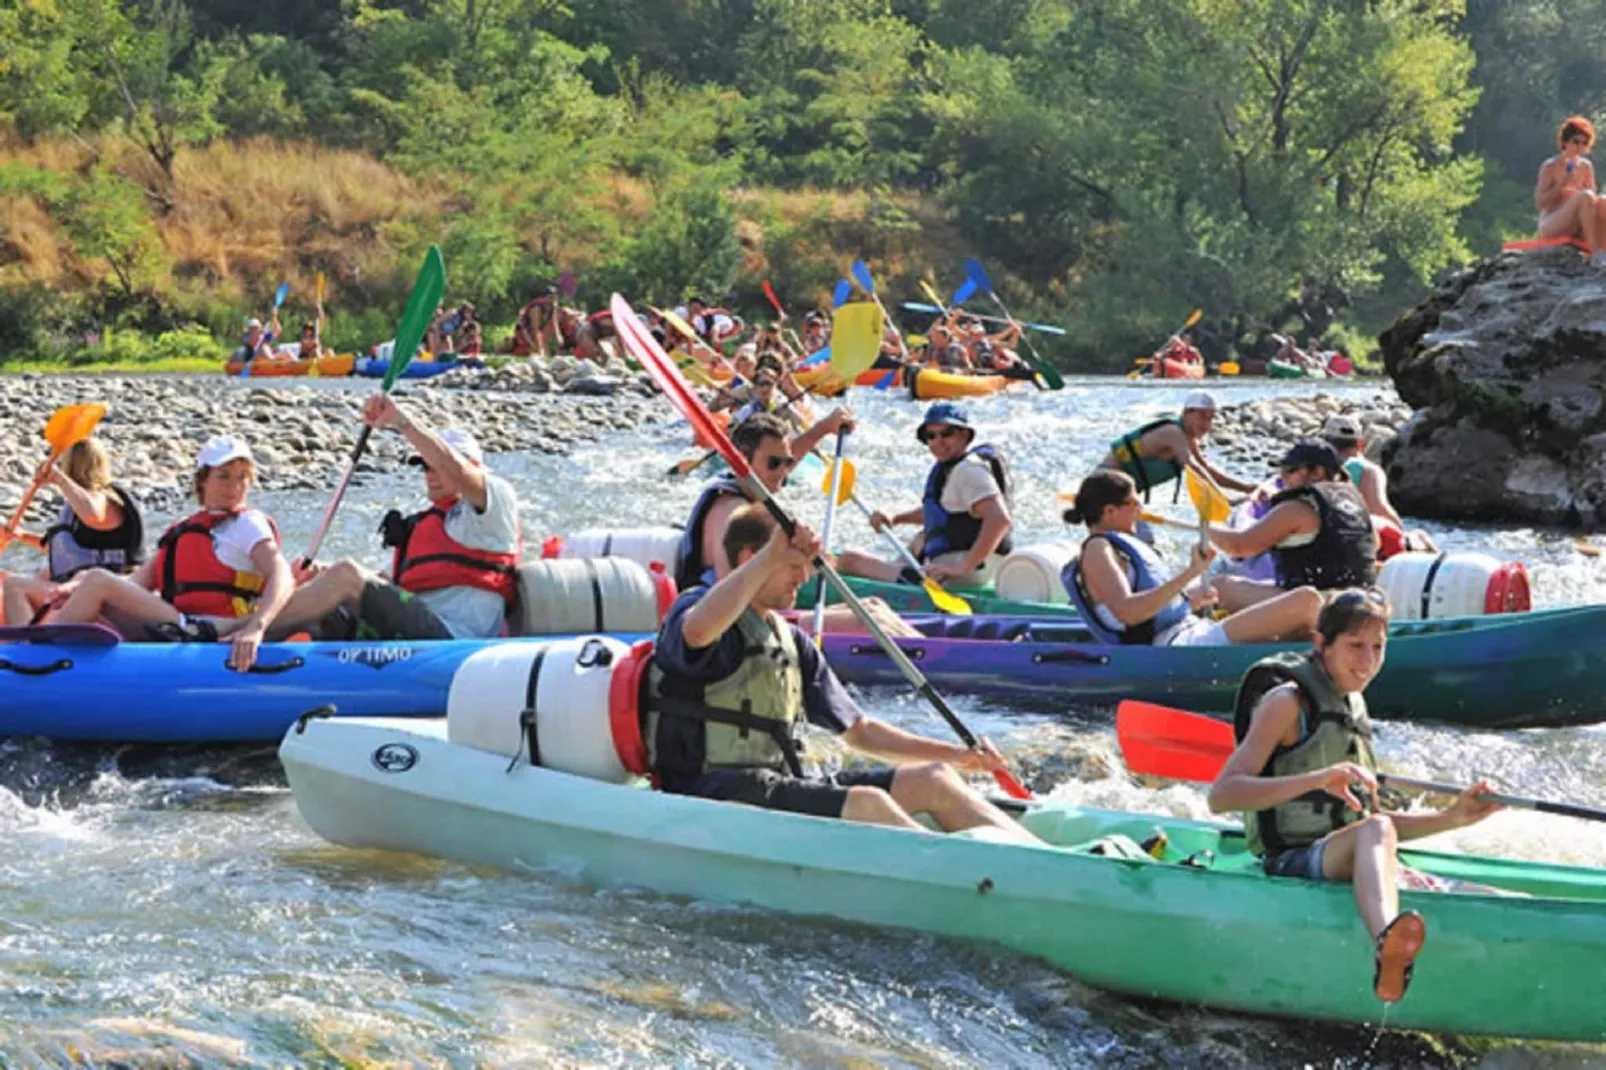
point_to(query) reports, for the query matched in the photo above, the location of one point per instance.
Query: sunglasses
(1578, 141)
(941, 432)
(776, 464)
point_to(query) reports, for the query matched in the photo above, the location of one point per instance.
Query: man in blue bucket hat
(964, 514)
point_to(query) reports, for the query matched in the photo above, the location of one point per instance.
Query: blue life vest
(1145, 572)
(694, 571)
(74, 546)
(956, 532)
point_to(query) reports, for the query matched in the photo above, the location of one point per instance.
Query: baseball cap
(462, 442)
(1312, 452)
(1342, 430)
(1199, 399)
(945, 413)
(220, 450)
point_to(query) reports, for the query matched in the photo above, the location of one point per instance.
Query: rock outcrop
(1506, 365)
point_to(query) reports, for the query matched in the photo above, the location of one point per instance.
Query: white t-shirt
(472, 613)
(970, 481)
(234, 539)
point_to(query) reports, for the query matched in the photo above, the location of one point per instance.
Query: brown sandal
(1397, 948)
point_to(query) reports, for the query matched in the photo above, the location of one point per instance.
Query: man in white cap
(257, 342)
(1344, 434)
(1158, 451)
(454, 567)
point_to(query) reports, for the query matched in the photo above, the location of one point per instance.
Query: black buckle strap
(529, 738)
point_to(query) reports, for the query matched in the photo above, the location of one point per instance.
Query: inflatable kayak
(907, 598)
(1201, 924)
(825, 382)
(929, 383)
(334, 364)
(1513, 670)
(376, 367)
(1168, 368)
(1282, 369)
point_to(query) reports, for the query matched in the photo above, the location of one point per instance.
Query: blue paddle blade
(840, 295)
(886, 380)
(281, 294)
(861, 272)
(978, 274)
(816, 358)
(966, 290)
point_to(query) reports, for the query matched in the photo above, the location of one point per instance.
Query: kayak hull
(1166, 368)
(1277, 369)
(335, 364)
(907, 598)
(926, 384)
(1224, 935)
(376, 367)
(1514, 670)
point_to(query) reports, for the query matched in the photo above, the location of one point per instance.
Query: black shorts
(819, 796)
(384, 611)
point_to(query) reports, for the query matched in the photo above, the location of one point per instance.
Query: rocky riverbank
(302, 430)
(1255, 434)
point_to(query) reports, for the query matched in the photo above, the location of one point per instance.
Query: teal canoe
(907, 598)
(1216, 932)
(1278, 369)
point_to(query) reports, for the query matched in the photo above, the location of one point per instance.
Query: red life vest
(192, 578)
(428, 559)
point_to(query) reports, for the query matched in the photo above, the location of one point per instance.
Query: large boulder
(1506, 363)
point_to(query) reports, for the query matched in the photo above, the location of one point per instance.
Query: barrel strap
(528, 718)
(607, 545)
(596, 595)
(1427, 584)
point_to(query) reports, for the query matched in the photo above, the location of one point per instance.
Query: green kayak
(1202, 925)
(907, 598)
(1281, 369)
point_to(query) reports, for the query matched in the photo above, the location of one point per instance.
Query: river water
(169, 908)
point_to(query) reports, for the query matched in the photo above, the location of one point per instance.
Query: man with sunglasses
(1317, 530)
(454, 566)
(964, 514)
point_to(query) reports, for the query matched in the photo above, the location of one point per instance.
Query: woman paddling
(99, 525)
(1564, 195)
(217, 575)
(1305, 778)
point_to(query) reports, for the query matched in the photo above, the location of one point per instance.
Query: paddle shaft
(1037, 358)
(1518, 802)
(678, 470)
(340, 492)
(1045, 328)
(825, 535)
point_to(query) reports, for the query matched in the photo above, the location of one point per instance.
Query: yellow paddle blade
(1585, 547)
(1207, 498)
(945, 602)
(915, 341)
(71, 424)
(674, 320)
(855, 339)
(1069, 497)
(318, 288)
(1228, 368)
(844, 490)
(1198, 314)
(931, 293)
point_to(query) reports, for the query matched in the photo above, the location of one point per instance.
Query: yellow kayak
(279, 367)
(928, 383)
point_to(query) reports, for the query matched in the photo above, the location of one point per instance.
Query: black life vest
(1343, 554)
(694, 571)
(74, 546)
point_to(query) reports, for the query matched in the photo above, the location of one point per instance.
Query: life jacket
(74, 546)
(694, 571)
(956, 532)
(1333, 728)
(426, 558)
(749, 720)
(1145, 571)
(1342, 553)
(193, 580)
(1147, 472)
(1356, 469)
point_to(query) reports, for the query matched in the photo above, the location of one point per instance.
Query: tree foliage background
(1303, 165)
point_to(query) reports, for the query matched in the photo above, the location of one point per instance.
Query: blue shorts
(1302, 862)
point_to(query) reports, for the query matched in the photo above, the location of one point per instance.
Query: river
(171, 909)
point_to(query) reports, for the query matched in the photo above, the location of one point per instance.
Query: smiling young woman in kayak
(733, 683)
(1305, 778)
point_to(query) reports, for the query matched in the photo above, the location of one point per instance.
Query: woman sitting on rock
(217, 575)
(1565, 195)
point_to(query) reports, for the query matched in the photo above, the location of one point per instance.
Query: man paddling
(1157, 452)
(733, 684)
(455, 564)
(1343, 433)
(1305, 778)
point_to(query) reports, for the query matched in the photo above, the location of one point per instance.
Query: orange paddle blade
(1166, 742)
(71, 424)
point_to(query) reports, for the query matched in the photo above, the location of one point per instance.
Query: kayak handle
(60, 665)
(1048, 657)
(915, 653)
(260, 669)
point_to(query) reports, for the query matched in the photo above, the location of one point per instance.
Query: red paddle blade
(1161, 741)
(645, 348)
(769, 292)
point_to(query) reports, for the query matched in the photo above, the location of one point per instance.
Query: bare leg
(338, 585)
(857, 563)
(1365, 853)
(130, 607)
(1237, 593)
(1291, 615)
(934, 788)
(872, 806)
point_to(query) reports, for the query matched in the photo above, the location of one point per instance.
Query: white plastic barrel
(641, 545)
(604, 594)
(565, 682)
(1422, 586)
(1032, 574)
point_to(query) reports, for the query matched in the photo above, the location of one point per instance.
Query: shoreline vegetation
(1303, 168)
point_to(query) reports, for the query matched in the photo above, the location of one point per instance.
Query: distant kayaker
(964, 514)
(100, 525)
(1157, 452)
(993, 353)
(1344, 434)
(733, 684)
(1564, 193)
(217, 575)
(454, 565)
(1317, 530)
(1305, 778)
(947, 354)
(816, 332)
(1126, 594)
(258, 342)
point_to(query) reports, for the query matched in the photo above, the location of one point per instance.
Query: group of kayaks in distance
(652, 686)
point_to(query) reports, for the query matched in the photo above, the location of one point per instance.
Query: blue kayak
(80, 683)
(376, 367)
(1511, 670)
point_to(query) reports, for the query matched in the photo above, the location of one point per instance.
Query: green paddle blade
(855, 339)
(421, 304)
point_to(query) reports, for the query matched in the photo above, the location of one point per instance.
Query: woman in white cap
(1156, 452)
(218, 574)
